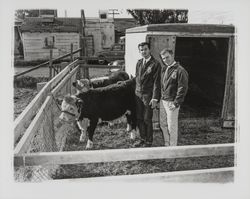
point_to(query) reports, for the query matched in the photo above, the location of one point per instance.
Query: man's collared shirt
(166, 72)
(146, 60)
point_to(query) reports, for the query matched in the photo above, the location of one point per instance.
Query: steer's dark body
(108, 103)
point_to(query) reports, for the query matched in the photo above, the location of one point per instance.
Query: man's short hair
(143, 44)
(166, 50)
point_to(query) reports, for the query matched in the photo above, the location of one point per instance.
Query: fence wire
(51, 136)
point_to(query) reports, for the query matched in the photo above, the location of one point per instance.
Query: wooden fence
(23, 121)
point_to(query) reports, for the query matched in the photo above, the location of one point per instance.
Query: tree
(21, 14)
(156, 16)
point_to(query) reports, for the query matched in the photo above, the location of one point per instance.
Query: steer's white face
(82, 85)
(69, 109)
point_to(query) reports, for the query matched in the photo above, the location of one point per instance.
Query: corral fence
(53, 68)
(40, 137)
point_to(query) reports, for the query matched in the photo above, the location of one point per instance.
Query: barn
(42, 34)
(206, 51)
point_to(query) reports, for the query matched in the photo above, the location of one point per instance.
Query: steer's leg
(133, 122)
(82, 125)
(129, 121)
(91, 130)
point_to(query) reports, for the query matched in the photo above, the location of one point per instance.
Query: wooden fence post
(86, 69)
(71, 52)
(50, 63)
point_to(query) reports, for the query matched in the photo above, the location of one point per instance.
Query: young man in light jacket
(174, 86)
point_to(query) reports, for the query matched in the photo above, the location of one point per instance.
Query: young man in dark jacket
(174, 86)
(147, 92)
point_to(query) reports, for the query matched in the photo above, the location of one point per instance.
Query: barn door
(228, 111)
(159, 42)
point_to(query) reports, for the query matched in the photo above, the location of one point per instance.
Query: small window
(103, 16)
(49, 42)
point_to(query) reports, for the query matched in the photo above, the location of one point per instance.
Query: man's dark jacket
(148, 80)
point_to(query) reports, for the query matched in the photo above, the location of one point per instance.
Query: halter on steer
(58, 106)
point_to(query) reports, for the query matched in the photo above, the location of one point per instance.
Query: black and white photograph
(132, 94)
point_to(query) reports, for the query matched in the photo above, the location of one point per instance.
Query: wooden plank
(112, 155)
(25, 141)
(228, 109)
(23, 120)
(218, 175)
(64, 81)
(228, 124)
(62, 74)
(97, 66)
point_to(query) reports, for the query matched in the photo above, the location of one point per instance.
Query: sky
(194, 15)
(90, 12)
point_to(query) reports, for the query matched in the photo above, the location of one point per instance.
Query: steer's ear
(79, 102)
(59, 100)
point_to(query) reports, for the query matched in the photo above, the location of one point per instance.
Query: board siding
(34, 47)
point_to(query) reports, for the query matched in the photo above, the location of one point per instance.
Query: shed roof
(58, 25)
(184, 28)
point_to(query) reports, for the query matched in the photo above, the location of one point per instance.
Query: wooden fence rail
(79, 157)
(48, 62)
(218, 175)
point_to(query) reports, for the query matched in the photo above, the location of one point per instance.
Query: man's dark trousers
(144, 115)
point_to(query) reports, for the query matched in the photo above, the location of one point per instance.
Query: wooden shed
(41, 34)
(100, 34)
(206, 51)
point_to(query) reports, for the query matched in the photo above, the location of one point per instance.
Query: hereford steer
(83, 85)
(106, 103)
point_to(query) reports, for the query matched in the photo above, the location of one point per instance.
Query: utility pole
(113, 12)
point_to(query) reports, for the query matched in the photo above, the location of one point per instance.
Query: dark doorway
(205, 59)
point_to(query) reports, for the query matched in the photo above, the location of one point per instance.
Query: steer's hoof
(132, 135)
(89, 145)
(128, 128)
(110, 124)
(82, 138)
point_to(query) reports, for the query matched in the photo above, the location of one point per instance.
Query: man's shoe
(148, 144)
(140, 143)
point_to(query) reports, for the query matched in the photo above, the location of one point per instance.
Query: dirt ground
(22, 97)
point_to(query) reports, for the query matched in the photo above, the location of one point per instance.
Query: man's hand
(172, 106)
(121, 82)
(153, 103)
